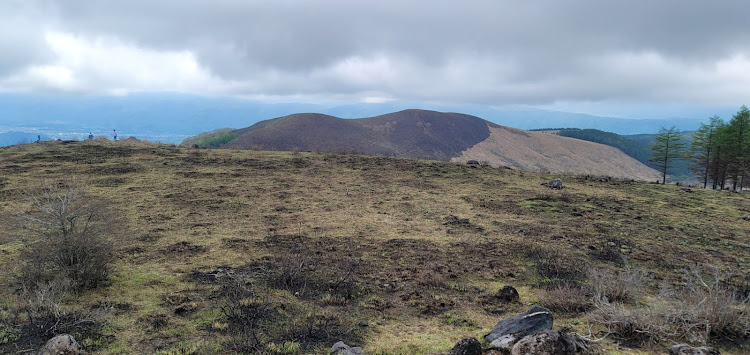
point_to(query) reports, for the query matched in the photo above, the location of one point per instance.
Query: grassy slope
(540, 151)
(421, 280)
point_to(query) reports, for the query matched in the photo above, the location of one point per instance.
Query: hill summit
(432, 135)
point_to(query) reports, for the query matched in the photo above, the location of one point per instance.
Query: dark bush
(259, 323)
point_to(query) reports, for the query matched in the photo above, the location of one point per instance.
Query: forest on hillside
(637, 146)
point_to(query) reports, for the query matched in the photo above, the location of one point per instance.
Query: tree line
(636, 146)
(719, 153)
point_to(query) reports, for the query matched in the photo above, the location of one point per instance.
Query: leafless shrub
(702, 311)
(291, 273)
(617, 286)
(565, 297)
(640, 325)
(306, 277)
(38, 313)
(66, 235)
(247, 314)
(255, 321)
(554, 265)
(712, 307)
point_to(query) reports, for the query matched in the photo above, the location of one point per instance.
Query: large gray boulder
(342, 349)
(510, 330)
(62, 344)
(555, 184)
(684, 349)
(468, 346)
(548, 342)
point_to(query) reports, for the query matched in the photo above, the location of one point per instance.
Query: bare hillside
(434, 135)
(540, 151)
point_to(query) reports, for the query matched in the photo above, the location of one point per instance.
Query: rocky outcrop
(684, 349)
(63, 344)
(548, 342)
(555, 184)
(342, 349)
(468, 346)
(509, 331)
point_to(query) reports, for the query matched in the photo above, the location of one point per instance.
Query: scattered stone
(279, 208)
(507, 294)
(342, 349)
(472, 162)
(745, 218)
(686, 189)
(684, 349)
(63, 344)
(548, 342)
(468, 346)
(555, 184)
(510, 330)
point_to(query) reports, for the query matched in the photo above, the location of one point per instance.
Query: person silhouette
(91, 136)
(114, 134)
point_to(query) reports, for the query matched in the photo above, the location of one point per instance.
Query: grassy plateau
(227, 251)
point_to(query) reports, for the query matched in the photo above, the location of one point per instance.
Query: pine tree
(719, 160)
(739, 147)
(667, 149)
(703, 148)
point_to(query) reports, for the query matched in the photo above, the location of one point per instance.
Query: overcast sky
(553, 53)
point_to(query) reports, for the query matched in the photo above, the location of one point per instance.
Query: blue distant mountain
(13, 138)
(171, 117)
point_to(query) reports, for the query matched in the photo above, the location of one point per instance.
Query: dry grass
(372, 234)
(541, 151)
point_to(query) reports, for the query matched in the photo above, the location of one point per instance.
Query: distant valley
(170, 118)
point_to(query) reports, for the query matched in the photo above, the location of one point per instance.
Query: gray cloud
(480, 51)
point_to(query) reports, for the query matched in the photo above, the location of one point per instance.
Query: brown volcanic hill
(439, 136)
(410, 134)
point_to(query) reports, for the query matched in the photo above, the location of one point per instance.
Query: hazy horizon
(639, 59)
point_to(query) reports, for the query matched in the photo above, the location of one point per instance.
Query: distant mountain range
(172, 117)
(432, 135)
(13, 138)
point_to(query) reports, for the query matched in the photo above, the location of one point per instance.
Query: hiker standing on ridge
(114, 134)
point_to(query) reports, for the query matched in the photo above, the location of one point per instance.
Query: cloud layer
(477, 51)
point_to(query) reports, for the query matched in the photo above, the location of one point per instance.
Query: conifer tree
(703, 148)
(667, 149)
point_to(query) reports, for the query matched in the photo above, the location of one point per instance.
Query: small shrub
(257, 323)
(702, 311)
(554, 265)
(66, 235)
(640, 325)
(565, 297)
(246, 315)
(38, 314)
(619, 286)
(712, 306)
